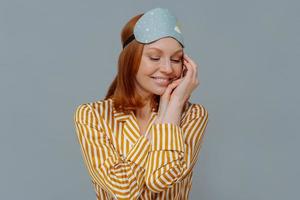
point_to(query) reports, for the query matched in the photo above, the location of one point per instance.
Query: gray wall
(55, 55)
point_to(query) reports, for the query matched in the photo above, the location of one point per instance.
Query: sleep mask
(155, 24)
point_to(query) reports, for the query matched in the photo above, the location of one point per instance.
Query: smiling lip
(161, 80)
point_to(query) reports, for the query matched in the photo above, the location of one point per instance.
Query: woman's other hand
(165, 99)
(187, 83)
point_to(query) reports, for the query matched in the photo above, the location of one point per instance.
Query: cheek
(146, 68)
(178, 70)
(143, 74)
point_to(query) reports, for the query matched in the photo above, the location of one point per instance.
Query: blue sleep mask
(155, 24)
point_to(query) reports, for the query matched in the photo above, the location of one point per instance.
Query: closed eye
(173, 60)
(176, 61)
(156, 59)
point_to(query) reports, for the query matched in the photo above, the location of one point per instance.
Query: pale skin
(166, 52)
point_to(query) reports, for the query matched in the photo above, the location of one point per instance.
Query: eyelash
(156, 59)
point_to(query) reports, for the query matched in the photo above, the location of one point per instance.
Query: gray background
(55, 55)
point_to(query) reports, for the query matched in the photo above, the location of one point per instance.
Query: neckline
(149, 123)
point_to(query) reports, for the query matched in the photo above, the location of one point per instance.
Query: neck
(145, 111)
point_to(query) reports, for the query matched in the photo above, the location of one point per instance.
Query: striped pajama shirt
(123, 164)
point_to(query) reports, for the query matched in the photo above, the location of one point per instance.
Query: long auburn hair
(122, 90)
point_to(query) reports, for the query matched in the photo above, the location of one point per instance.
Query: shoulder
(199, 109)
(85, 111)
(196, 110)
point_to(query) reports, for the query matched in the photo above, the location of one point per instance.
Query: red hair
(122, 89)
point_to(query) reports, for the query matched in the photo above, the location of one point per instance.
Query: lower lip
(161, 82)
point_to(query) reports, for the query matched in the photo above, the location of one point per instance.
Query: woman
(143, 140)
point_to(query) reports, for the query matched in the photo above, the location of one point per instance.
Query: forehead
(164, 45)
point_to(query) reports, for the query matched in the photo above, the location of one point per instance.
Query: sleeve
(123, 178)
(172, 156)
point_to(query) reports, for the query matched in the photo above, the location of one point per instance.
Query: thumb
(168, 91)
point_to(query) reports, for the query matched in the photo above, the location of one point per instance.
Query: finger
(173, 85)
(165, 98)
(194, 66)
(177, 80)
(166, 95)
(190, 60)
(190, 69)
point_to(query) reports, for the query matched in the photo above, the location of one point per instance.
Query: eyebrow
(179, 50)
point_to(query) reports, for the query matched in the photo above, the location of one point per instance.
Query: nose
(166, 66)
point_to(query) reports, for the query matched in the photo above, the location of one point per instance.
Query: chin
(159, 91)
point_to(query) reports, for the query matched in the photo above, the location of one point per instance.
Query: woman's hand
(164, 101)
(187, 83)
(182, 87)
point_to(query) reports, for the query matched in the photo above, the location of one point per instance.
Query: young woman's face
(161, 63)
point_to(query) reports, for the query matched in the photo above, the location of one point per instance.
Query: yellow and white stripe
(123, 164)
